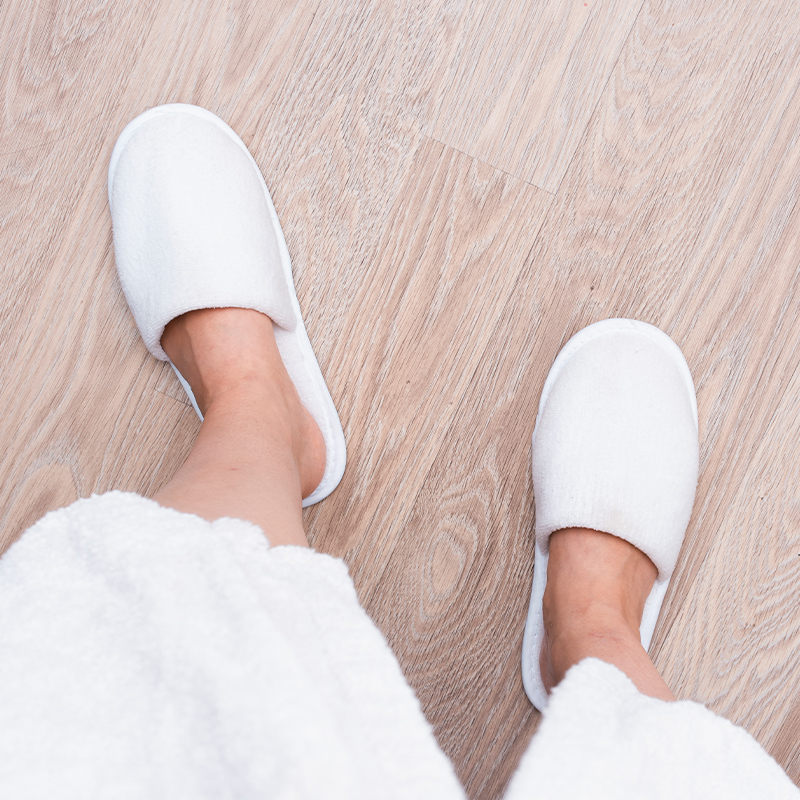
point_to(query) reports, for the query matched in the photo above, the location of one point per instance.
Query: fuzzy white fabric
(615, 449)
(601, 739)
(150, 654)
(194, 227)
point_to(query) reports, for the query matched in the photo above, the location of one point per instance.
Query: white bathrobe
(146, 653)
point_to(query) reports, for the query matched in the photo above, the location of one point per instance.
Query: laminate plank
(525, 79)
(52, 54)
(417, 325)
(82, 414)
(785, 745)
(233, 58)
(48, 285)
(466, 560)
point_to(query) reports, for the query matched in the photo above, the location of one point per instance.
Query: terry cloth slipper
(194, 227)
(615, 449)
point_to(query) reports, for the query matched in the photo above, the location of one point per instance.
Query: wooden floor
(463, 185)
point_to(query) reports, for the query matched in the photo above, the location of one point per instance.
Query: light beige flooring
(463, 184)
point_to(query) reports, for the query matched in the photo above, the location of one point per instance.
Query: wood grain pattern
(82, 413)
(417, 326)
(525, 79)
(339, 142)
(466, 558)
(48, 141)
(437, 286)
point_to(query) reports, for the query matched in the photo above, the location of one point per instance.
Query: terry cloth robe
(146, 653)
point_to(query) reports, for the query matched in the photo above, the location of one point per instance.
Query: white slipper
(615, 449)
(194, 227)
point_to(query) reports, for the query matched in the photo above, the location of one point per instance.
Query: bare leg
(259, 452)
(597, 585)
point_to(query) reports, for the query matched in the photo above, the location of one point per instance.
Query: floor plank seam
(486, 163)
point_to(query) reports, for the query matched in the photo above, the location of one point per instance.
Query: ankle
(247, 392)
(571, 635)
(597, 585)
(219, 350)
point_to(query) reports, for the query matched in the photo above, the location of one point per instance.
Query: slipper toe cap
(193, 227)
(616, 445)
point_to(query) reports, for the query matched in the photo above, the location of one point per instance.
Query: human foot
(597, 586)
(615, 448)
(230, 359)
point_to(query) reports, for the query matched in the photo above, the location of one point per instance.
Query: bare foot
(597, 585)
(230, 359)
